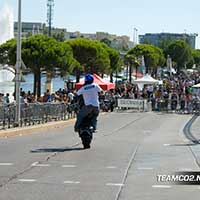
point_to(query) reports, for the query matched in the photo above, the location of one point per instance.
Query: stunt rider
(90, 92)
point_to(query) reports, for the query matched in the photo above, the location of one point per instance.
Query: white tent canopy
(196, 86)
(196, 89)
(147, 79)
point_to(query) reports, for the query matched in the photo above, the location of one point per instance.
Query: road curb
(31, 129)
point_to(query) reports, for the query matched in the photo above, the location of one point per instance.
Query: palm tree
(132, 61)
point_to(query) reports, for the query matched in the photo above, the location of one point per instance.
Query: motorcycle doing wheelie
(86, 131)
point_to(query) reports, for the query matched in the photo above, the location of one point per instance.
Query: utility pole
(18, 67)
(135, 36)
(50, 5)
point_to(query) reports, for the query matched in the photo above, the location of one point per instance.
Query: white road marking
(27, 180)
(166, 145)
(111, 167)
(114, 184)
(42, 165)
(162, 186)
(145, 168)
(185, 169)
(71, 182)
(6, 164)
(68, 166)
(36, 164)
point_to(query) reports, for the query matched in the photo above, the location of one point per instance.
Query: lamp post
(18, 67)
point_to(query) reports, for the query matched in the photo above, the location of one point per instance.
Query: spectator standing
(6, 99)
(71, 97)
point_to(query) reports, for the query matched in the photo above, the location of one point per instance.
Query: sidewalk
(36, 128)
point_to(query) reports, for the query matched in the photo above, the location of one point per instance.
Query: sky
(118, 17)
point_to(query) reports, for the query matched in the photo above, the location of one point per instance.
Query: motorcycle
(86, 132)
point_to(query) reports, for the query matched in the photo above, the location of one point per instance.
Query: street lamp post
(18, 67)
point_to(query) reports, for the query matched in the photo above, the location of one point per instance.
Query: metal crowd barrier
(160, 105)
(36, 113)
(190, 107)
(136, 104)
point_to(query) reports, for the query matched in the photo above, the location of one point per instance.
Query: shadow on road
(50, 150)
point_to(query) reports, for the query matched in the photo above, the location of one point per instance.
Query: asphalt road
(128, 153)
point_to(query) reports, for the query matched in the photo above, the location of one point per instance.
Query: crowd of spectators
(175, 92)
(4, 99)
(62, 96)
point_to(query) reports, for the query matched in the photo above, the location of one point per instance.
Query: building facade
(29, 28)
(33, 28)
(117, 42)
(156, 38)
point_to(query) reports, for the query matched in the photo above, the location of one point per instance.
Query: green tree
(59, 36)
(180, 52)
(6, 52)
(153, 56)
(43, 53)
(115, 60)
(196, 56)
(91, 55)
(106, 41)
(131, 60)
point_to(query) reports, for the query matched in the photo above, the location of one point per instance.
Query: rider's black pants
(85, 111)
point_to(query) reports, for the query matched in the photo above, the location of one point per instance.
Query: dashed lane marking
(161, 186)
(71, 182)
(68, 166)
(37, 164)
(6, 164)
(111, 167)
(42, 165)
(185, 169)
(166, 145)
(27, 180)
